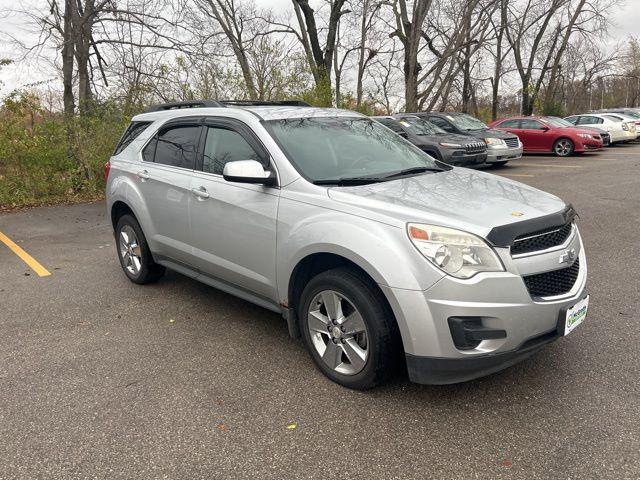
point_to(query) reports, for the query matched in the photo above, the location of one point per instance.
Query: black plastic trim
(444, 371)
(504, 235)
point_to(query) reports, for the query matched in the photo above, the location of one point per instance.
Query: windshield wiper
(410, 171)
(348, 181)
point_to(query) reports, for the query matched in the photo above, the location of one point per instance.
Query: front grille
(512, 142)
(475, 147)
(551, 284)
(542, 240)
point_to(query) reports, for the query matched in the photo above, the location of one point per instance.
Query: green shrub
(45, 159)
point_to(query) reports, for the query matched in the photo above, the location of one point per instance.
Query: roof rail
(256, 103)
(188, 104)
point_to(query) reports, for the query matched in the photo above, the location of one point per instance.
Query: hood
(492, 133)
(460, 198)
(448, 138)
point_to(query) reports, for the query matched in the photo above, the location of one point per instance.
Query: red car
(545, 134)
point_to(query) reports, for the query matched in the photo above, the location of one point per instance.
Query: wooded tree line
(478, 56)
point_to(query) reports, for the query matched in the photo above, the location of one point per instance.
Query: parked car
(502, 146)
(625, 117)
(544, 134)
(459, 150)
(619, 130)
(604, 135)
(374, 252)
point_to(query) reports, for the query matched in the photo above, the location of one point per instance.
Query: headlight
(494, 142)
(458, 253)
(584, 135)
(450, 145)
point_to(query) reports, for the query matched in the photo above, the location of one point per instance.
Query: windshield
(420, 127)
(557, 122)
(345, 148)
(466, 122)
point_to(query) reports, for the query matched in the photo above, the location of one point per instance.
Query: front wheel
(348, 329)
(563, 147)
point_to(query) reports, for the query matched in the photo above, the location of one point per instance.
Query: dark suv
(459, 150)
(502, 146)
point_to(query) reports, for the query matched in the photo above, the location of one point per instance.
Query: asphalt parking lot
(103, 378)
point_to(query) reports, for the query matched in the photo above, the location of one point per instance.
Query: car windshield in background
(345, 150)
(420, 127)
(466, 122)
(557, 122)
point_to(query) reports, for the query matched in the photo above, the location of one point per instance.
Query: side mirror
(247, 171)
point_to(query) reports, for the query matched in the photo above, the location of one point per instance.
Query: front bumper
(460, 158)
(500, 299)
(503, 154)
(588, 146)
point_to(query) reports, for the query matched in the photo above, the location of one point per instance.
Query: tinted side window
(573, 120)
(509, 124)
(391, 124)
(224, 145)
(588, 120)
(440, 122)
(130, 134)
(177, 146)
(149, 152)
(527, 124)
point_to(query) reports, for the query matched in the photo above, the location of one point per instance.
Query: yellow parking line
(546, 165)
(26, 258)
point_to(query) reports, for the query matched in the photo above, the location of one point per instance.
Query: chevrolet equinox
(380, 257)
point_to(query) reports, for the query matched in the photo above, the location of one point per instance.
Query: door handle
(143, 175)
(200, 192)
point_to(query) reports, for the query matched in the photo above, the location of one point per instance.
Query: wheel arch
(118, 209)
(316, 263)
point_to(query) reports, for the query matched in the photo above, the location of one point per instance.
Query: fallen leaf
(222, 427)
(507, 463)
(171, 320)
(292, 426)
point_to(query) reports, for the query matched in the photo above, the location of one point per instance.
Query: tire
(563, 147)
(133, 252)
(380, 341)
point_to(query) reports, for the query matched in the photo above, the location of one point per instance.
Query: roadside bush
(45, 160)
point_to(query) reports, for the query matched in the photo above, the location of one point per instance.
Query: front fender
(383, 251)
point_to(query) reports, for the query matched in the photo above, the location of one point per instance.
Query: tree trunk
(67, 62)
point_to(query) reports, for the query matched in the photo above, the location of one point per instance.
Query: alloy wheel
(563, 148)
(338, 332)
(130, 250)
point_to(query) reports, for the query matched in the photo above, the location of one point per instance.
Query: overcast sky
(626, 22)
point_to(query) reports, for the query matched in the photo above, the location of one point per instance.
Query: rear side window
(527, 124)
(392, 124)
(130, 134)
(175, 146)
(509, 124)
(224, 145)
(613, 118)
(442, 123)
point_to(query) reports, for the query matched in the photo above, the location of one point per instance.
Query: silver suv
(379, 256)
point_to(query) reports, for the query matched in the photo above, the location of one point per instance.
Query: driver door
(233, 224)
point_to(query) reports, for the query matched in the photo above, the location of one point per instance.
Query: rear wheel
(348, 329)
(134, 254)
(563, 147)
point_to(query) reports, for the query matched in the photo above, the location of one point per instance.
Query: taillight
(107, 168)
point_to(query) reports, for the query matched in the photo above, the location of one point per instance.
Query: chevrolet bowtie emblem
(568, 256)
